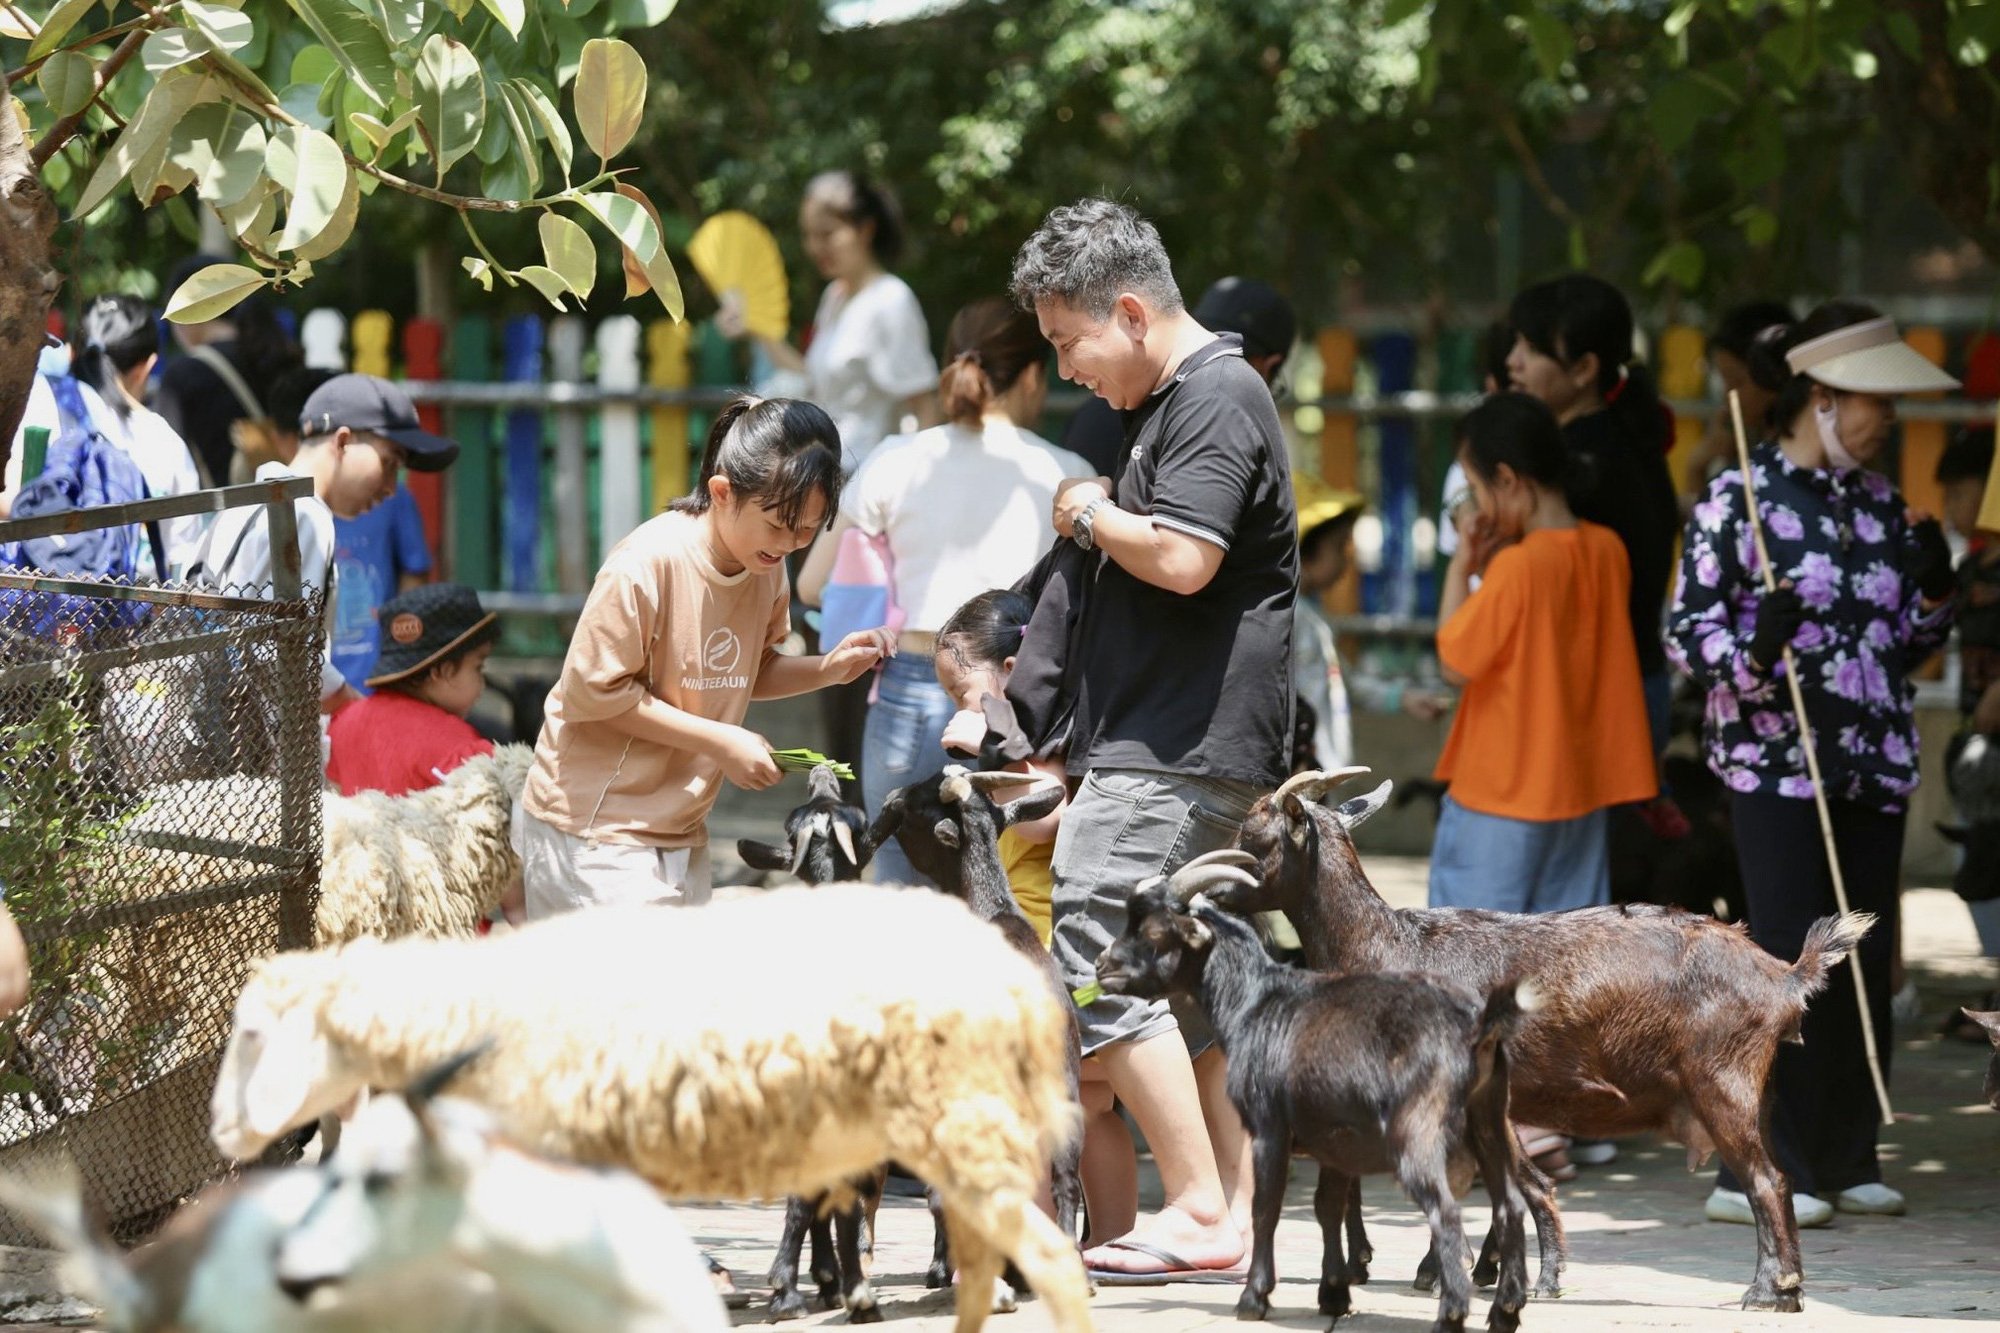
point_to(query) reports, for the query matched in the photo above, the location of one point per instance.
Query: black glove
(1779, 616)
(1927, 560)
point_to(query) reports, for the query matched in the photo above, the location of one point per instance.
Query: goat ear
(946, 833)
(1195, 933)
(1351, 813)
(1951, 833)
(1298, 822)
(763, 855)
(1034, 805)
(1990, 1021)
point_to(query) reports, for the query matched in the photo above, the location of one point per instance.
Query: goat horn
(1185, 887)
(845, 837)
(1311, 786)
(955, 788)
(993, 780)
(1225, 856)
(801, 840)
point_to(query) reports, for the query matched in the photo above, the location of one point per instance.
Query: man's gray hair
(1087, 253)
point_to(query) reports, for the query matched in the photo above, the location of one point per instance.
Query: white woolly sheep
(673, 1043)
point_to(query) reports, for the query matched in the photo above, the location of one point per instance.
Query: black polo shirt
(1197, 685)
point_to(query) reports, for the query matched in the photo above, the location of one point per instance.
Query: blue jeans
(902, 743)
(1519, 865)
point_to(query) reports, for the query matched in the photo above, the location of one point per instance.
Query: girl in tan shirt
(679, 634)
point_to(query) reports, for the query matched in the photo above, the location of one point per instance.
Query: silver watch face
(1083, 537)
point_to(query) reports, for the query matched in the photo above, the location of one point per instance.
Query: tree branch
(64, 130)
(1531, 166)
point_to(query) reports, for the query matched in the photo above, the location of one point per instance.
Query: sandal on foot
(1174, 1269)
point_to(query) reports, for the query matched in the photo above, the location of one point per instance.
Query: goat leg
(1498, 1154)
(1740, 1132)
(1427, 1180)
(855, 1294)
(787, 1302)
(1271, 1163)
(938, 1275)
(1359, 1252)
(1334, 1202)
(1427, 1272)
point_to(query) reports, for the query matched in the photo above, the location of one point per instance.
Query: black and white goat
(949, 827)
(1367, 1073)
(826, 842)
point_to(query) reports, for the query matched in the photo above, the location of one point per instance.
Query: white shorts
(562, 872)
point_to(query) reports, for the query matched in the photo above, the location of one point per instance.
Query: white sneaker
(1876, 1198)
(1734, 1206)
(1593, 1152)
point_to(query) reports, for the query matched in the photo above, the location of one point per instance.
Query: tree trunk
(28, 279)
(1946, 119)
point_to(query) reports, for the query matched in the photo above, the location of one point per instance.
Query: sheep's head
(279, 1070)
(937, 820)
(1295, 839)
(1165, 943)
(1991, 1022)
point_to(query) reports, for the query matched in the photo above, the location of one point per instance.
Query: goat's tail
(1829, 941)
(1506, 1005)
(49, 1198)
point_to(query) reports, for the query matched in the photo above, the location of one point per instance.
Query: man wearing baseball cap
(356, 434)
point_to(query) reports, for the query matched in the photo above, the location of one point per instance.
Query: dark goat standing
(826, 841)
(1366, 1074)
(1654, 1018)
(1972, 774)
(949, 827)
(1991, 1022)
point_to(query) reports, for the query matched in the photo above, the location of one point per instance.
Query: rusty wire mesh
(159, 828)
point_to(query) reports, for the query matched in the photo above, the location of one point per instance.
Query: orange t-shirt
(1553, 723)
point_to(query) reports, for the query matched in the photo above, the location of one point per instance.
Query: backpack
(84, 471)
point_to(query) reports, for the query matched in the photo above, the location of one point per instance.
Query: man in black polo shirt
(1180, 680)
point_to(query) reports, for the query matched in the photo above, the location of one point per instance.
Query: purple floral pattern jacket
(1838, 536)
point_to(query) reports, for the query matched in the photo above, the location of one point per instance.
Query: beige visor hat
(1869, 357)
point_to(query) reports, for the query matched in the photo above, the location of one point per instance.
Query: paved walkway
(1642, 1255)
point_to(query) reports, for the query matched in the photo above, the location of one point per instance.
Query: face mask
(1828, 421)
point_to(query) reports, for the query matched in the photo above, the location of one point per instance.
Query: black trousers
(1824, 1115)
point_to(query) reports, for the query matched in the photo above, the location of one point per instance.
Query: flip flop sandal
(1176, 1269)
(732, 1297)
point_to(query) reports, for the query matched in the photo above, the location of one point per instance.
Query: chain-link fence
(159, 828)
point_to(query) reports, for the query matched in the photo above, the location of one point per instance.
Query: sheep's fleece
(431, 863)
(678, 1043)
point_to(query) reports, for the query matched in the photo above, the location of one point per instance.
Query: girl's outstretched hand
(852, 657)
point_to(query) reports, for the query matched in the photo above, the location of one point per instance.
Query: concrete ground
(1643, 1257)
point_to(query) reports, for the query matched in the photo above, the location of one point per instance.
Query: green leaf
(401, 21)
(459, 9)
(56, 26)
(309, 166)
(210, 291)
(171, 47)
(253, 218)
(354, 42)
(569, 253)
(520, 123)
(451, 99)
(301, 102)
(610, 95)
(1903, 31)
(1758, 155)
(481, 271)
(338, 227)
(69, 81)
(505, 179)
(223, 28)
(495, 141)
(1760, 225)
(625, 219)
(1682, 262)
(144, 137)
(1395, 12)
(552, 127)
(1679, 17)
(314, 65)
(1579, 247)
(511, 13)
(546, 281)
(655, 274)
(379, 134)
(1552, 41)
(1680, 105)
(1791, 46)
(640, 13)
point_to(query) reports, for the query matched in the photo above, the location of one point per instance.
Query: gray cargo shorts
(1122, 826)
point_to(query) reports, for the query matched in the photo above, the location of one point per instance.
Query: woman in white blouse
(965, 507)
(869, 362)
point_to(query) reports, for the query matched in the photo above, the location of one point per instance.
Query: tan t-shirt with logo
(661, 619)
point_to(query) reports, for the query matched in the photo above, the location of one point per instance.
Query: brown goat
(1654, 1018)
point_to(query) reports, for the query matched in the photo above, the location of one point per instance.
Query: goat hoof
(1499, 1320)
(1782, 1302)
(1004, 1299)
(1334, 1300)
(1549, 1289)
(1426, 1280)
(829, 1293)
(937, 1277)
(1485, 1273)
(1251, 1307)
(787, 1305)
(1356, 1272)
(864, 1310)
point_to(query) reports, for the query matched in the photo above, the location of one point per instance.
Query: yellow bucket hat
(1320, 503)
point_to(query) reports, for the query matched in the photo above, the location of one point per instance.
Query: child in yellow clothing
(975, 655)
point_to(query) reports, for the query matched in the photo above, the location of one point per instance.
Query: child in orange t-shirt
(1552, 726)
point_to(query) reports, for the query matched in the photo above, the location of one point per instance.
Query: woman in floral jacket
(1865, 598)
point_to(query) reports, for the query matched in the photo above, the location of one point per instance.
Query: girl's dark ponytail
(779, 452)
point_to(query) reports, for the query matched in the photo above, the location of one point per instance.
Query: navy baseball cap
(1252, 309)
(368, 403)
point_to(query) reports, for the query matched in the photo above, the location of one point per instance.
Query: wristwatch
(1085, 517)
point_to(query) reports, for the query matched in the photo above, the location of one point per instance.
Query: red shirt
(391, 742)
